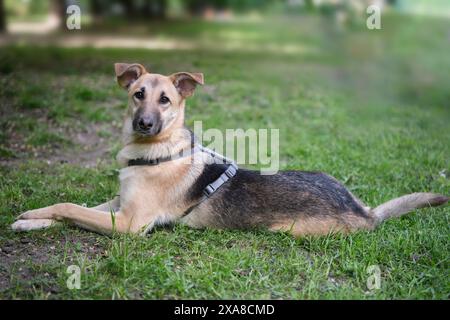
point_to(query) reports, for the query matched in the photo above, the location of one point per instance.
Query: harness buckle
(209, 190)
(230, 172)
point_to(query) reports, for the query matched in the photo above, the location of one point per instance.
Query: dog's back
(296, 200)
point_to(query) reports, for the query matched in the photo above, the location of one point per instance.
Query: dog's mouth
(147, 133)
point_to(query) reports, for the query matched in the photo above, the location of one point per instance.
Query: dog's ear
(186, 82)
(128, 73)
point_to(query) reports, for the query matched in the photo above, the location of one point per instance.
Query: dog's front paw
(33, 224)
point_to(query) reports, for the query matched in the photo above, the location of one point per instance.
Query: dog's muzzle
(147, 125)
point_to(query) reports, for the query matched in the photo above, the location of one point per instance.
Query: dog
(166, 177)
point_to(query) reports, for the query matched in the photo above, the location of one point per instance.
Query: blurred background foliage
(49, 17)
(132, 10)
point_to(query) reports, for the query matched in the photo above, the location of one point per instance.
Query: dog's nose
(145, 123)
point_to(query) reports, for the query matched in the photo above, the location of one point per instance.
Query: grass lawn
(371, 108)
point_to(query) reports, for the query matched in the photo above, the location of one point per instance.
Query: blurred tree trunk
(129, 8)
(96, 9)
(155, 9)
(59, 8)
(196, 7)
(2, 17)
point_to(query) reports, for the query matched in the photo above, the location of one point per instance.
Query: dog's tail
(399, 206)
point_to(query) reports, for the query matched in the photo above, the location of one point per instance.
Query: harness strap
(214, 186)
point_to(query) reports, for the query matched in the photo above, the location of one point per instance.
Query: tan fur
(399, 206)
(322, 225)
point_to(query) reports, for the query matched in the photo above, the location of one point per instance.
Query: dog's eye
(164, 100)
(139, 95)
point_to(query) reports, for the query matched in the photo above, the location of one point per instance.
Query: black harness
(212, 187)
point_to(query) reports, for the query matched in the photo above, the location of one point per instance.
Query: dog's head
(156, 102)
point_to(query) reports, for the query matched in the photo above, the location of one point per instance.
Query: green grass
(370, 108)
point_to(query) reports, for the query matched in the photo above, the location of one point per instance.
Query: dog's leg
(88, 218)
(37, 224)
(105, 222)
